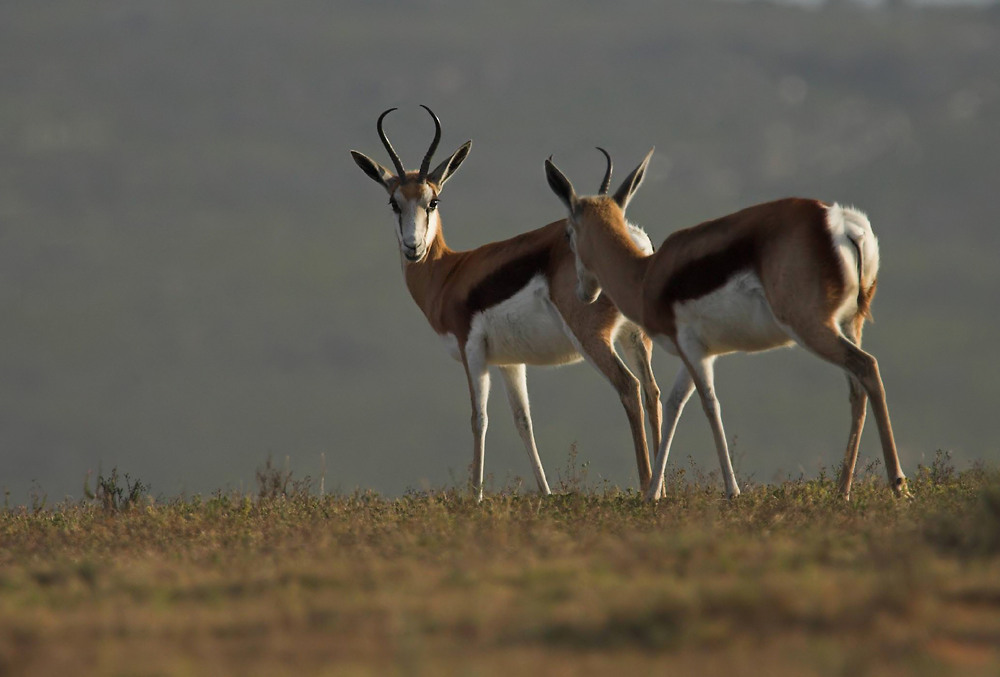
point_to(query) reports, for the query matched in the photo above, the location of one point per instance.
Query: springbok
(509, 304)
(793, 270)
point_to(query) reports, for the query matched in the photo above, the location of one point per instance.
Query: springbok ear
(444, 170)
(632, 182)
(560, 185)
(373, 169)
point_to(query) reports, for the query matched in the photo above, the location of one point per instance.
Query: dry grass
(787, 580)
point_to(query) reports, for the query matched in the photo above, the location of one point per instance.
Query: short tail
(866, 290)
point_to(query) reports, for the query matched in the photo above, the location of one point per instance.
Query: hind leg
(859, 407)
(679, 394)
(829, 343)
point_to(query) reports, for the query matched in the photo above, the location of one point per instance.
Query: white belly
(523, 330)
(735, 317)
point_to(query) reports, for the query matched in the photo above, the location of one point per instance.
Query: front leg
(474, 361)
(637, 349)
(516, 383)
(701, 368)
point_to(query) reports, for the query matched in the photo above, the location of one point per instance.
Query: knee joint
(630, 396)
(861, 364)
(711, 405)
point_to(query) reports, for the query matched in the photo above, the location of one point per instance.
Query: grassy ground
(787, 580)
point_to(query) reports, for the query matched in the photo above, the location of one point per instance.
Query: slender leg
(679, 394)
(600, 353)
(859, 406)
(479, 391)
(702, 373)
(590, 328)
(637, 349)
(515, 382)
(830, 344)
(865, 368)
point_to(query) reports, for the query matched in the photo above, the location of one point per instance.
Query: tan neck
(422, 278)
(620, 268)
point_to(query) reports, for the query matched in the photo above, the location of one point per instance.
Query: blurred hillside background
(194, 275)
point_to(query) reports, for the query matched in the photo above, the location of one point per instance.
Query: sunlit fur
(758, 279)
(512, 303)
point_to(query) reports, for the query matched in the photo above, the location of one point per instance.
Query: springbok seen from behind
(509, 304)
(790, 271)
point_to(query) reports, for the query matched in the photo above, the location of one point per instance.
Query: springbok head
(413, 195)
(586, 214)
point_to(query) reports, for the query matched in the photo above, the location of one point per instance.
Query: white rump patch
(850, 226)
(852, 233)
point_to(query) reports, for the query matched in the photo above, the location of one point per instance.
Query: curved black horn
(426, 164)
(606, 183)
(400, 172)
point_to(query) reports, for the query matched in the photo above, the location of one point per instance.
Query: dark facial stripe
(507, 280)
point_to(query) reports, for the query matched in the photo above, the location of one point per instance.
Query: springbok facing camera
(792, 270)
(509, 304)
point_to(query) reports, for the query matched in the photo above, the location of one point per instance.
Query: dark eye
(432, 205)
(568, 236)
(395, 207)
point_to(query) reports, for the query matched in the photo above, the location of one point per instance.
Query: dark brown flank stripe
(706, 274)
(507, 280)
(708, 271)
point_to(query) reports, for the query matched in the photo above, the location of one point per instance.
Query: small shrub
(114, 496)
(274, 483)
(39, 499)
(941, 470)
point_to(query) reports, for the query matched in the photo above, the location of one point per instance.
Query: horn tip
(427, 108)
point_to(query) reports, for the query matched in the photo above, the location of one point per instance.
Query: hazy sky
(194, 275)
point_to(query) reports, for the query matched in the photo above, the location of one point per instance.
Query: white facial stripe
(417, 226)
